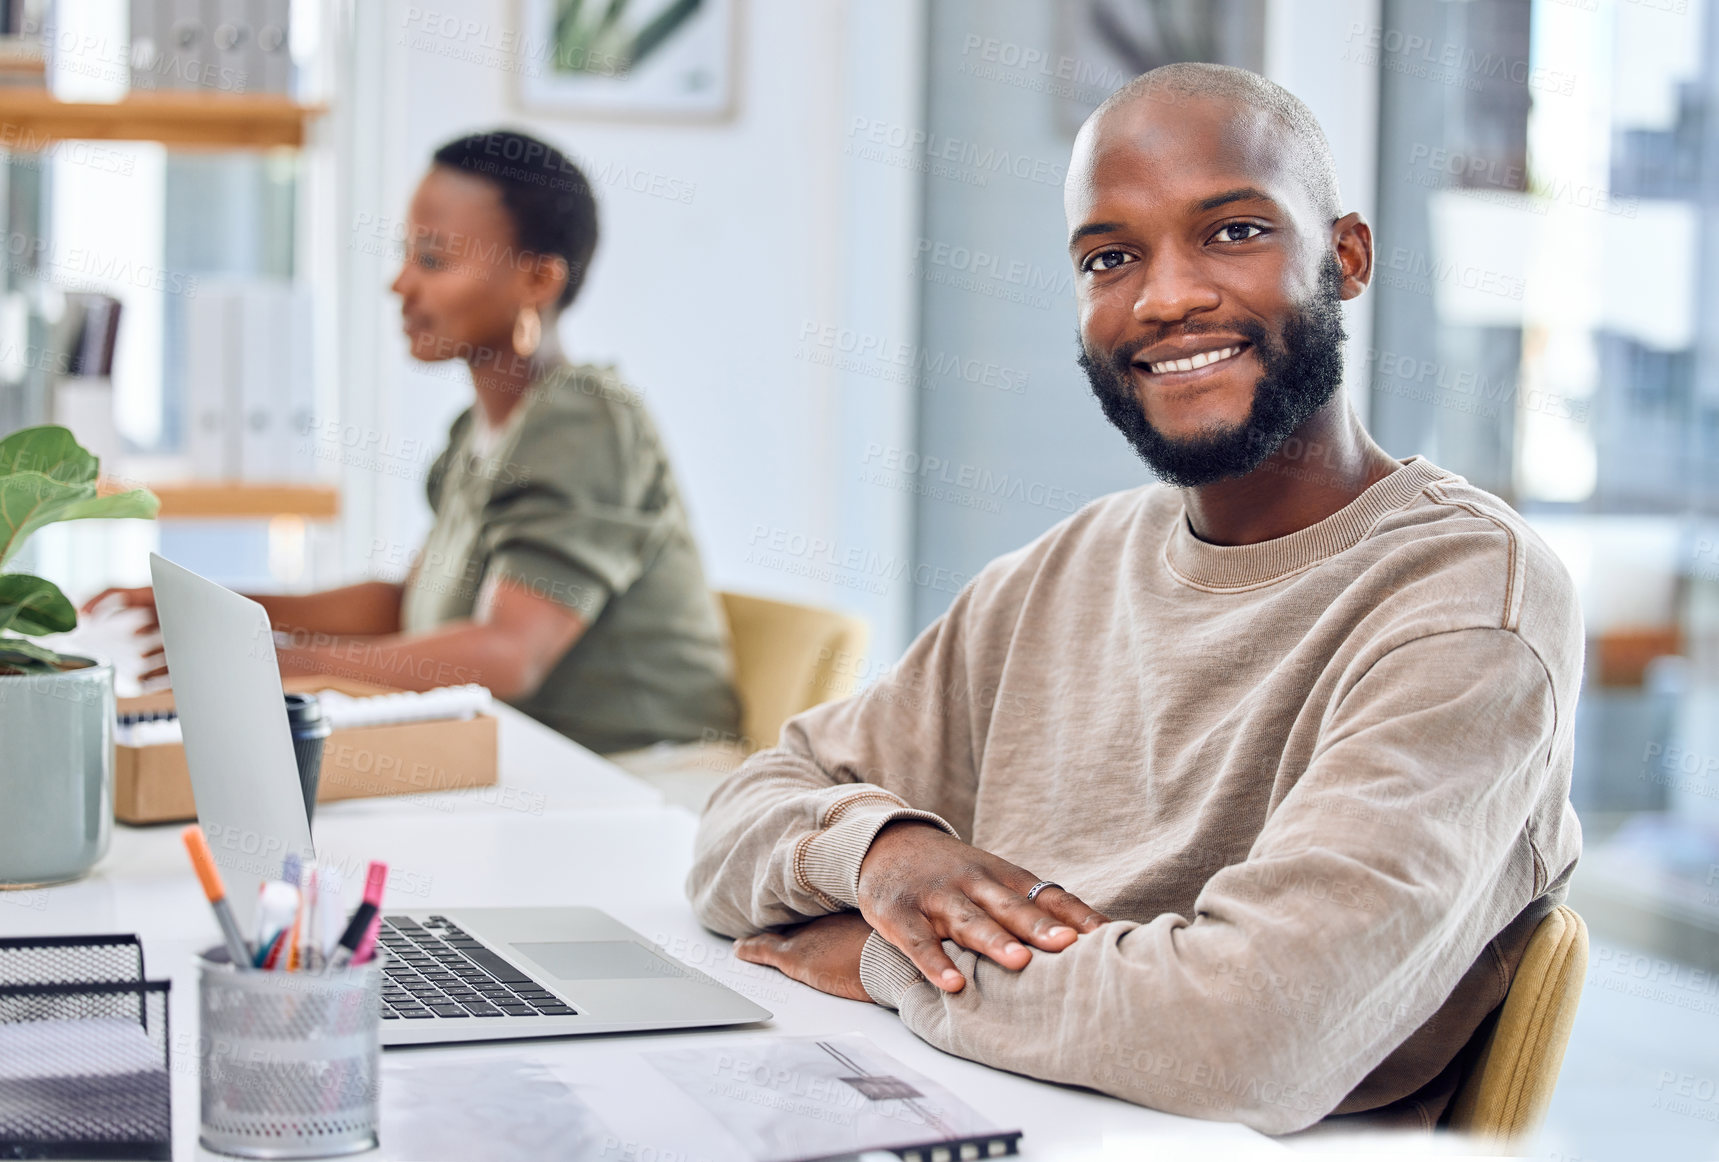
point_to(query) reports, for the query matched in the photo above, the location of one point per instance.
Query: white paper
(488, 1104)
(765, 1099)
(96, 1047)
(787, 1098)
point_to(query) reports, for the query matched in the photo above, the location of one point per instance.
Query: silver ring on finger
(1033, 892)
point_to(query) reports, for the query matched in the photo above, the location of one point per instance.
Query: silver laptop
(457, 974)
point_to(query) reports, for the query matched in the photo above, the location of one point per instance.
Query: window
(1544, 236)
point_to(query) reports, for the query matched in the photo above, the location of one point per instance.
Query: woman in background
(560, 571)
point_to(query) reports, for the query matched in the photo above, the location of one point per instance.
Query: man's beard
(1301, 375)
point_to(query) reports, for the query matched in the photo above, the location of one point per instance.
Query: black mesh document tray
(83, 1050)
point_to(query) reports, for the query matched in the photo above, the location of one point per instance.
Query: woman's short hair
(546, 195)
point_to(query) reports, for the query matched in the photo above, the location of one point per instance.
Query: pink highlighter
(374, 881)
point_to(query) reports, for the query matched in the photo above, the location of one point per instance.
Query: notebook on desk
(452, 974)
(765, 1099)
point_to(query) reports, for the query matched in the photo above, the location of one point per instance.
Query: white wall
(702, 302)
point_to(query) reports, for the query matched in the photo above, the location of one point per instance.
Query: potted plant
(56, 712)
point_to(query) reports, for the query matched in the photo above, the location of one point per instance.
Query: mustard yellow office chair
(1505, 1095)
(789, 658)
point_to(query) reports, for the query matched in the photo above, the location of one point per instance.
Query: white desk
(587, 834)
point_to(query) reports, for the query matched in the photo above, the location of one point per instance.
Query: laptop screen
(232, 711)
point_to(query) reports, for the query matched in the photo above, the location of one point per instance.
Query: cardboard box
(152, 785)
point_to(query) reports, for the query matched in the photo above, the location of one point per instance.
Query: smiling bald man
(1236, 795)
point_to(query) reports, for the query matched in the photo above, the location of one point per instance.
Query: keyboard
(434, 970)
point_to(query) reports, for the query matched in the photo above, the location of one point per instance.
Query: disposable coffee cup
(309, 730)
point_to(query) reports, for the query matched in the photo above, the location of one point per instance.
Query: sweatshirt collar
(1235, 567)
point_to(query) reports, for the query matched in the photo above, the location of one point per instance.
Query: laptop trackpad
(597, 960)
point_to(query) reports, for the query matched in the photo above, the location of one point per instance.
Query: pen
(292, 872)
(375, 879)
(305, 951)
(329, 887)
(356, 932)
(203, 860)
(277, 908)
(269, 958)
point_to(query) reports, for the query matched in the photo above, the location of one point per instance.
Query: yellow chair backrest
(1505, 1095)
(789, 658)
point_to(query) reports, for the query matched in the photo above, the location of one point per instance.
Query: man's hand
(918, 886)
(824, 953)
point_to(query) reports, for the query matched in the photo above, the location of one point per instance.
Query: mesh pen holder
(289, 1060)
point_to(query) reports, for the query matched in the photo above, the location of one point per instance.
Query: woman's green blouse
(577, 503)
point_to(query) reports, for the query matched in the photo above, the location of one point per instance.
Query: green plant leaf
(571, 39)
(28, 656)
(611, 15)
(663, 26)
(49, 450)
(34, 606)
(29, 501)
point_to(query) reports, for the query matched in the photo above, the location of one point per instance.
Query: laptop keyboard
(435, 969)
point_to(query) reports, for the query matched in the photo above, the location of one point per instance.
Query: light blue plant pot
(56, 773)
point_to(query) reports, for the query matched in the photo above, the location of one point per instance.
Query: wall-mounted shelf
(240, 500)
(34, 117)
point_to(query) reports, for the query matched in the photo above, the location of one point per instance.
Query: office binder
(186, 57)
(151, 35)
(211, 371)
(264, 356)
(232, 38)
(249, 381)
(272, 45)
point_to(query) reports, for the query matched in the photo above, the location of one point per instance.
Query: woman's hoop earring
(527, 332)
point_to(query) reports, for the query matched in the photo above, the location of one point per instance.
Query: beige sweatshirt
(1321, 783)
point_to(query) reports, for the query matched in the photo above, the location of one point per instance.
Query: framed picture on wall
(1104, 43)
(645, 59)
